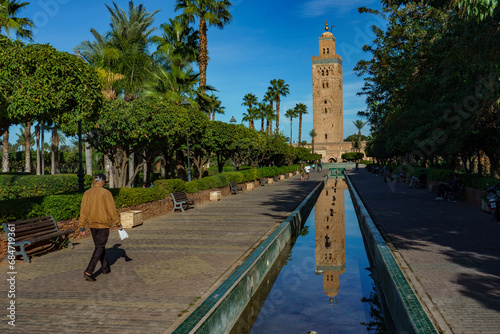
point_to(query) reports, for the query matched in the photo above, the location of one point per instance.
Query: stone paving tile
(450, 249)
(157, 273)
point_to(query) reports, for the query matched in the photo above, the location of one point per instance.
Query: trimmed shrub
(23, 186)
(125, 197)
(170, 186)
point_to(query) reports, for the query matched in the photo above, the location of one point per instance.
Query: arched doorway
(332, 160)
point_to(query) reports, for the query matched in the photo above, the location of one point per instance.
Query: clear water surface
(318, 285)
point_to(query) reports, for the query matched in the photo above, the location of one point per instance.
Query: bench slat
(34, 230)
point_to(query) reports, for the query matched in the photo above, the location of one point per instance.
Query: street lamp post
(185, 103)
(233, 121)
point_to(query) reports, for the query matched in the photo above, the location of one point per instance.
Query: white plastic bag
(123, 234)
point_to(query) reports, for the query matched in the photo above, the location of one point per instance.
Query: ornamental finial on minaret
(326, 27)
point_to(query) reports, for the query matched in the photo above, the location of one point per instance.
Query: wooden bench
(276, 178)
(263, 182)
(235, 188)
(34, 232)
(181, 200)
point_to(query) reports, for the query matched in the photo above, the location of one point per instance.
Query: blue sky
(266, 40)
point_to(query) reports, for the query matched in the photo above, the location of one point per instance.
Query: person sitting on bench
(422, 179)
(447, 187)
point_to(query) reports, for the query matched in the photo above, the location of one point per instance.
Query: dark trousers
(100, 236)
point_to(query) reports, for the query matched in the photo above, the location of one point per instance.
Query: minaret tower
(327, 92)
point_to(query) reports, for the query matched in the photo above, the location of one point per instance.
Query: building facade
(328, 115)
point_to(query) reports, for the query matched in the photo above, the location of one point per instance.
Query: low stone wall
(406, 311)
(219, 312)
(149, 210)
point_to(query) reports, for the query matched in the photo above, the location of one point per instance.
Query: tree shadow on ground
(453, 232)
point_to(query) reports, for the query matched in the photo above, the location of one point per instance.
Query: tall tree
(359, 124)
(11, 22)
(301, 109)
(313, 134)
(269, 98)
(21, 26)
(278, 88)
(211, 13)
(291, 113)
(250, 100)
(177, 44)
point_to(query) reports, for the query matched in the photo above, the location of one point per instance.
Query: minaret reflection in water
(330, 236)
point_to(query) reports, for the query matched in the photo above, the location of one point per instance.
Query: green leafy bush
(170, 186)
(125, 197)
(353, 155)
(23, 186)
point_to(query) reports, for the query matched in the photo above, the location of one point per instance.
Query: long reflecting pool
(321, 282)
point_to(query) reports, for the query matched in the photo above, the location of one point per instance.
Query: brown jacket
(98, 208)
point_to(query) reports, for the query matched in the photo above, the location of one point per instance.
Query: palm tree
(130, 34)
(215, 106)
(262, 106)
(174, 85)
(211, 12)
(301, 109)
(251, 116)
(269, 97)
(359, 124)
(292, 113)
(250, 100)
(313, 134)
(10, 22)
(178, 43)
(279, 89)
(268, 111)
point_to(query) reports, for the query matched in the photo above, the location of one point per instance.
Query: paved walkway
(449, 251)
(161, 273)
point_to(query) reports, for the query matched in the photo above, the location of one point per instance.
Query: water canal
(322, 280)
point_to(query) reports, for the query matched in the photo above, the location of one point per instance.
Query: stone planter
(270, 180)
(130, 219)
(282, 177)
(290, 174)
(250, 186)
(215, 195)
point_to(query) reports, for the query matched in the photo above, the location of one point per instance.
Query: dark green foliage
(125, 197)
(353, 155)
(24, 186)
(59, 206)
(170, 186)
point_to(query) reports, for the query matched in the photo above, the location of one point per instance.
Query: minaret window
(323, 50)
(327, 72)
(325, 101)
(327, 50)
(326, 111)
(322, 72)
(326, 136)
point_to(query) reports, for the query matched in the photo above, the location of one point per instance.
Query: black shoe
(106, 272)
(89, 277)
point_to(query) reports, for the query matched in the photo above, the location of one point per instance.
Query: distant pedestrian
(307, 169)
(99, 210)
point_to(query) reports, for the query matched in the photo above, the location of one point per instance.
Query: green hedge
(67, 206)
(222, 179)
(23, 186)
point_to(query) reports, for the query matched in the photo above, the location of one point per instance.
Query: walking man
(99, 210)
